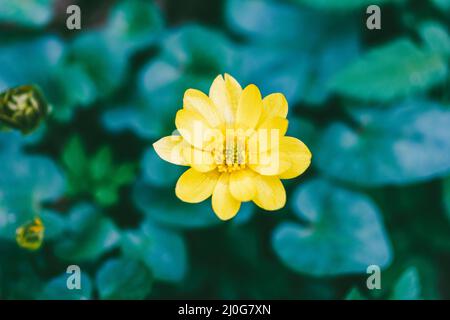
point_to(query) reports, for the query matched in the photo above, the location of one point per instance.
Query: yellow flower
(234, 142)
(31, 234)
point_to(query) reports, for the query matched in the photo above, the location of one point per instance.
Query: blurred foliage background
(373, 106)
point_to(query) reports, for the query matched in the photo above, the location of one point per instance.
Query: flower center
(231, 155)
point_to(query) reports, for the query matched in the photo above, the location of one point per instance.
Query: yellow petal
(224, 204)
(194, 186)
(249, 108)
(271, 163)
(200, 160)
(194, 128)
(199, 102)
(243, 185)
(274, 105)
(270, 194)
(275, 123)
(265, 139)
(171, 148)
(298, 154)
(225, 93)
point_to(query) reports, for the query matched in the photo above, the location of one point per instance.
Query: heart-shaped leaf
(124, 279)
(341, 233)
(162, 250)
(403, 144)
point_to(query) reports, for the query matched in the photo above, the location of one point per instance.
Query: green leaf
(30, 13)
(408, 286)
(106, 195)
(403, 144)
(56, 289)
(162, 250)
(394, 70)
(88, 235)
(342, 232)
(74, 157)
(101, 164)
(162, 206)
(341, 4)
(123, 279)
(125, 174)
(355, 294)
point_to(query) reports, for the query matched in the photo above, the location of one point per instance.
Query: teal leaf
(184, 62)
(30, 181)
(54, 224)
(66, 85)
(104, 60)
(123, 279)
(342, 4)
(162, 206)
(443, 5)
(392, 71)
(436, 37)
(88, 235)
(162, 250)
(30, 13)
(56, 289)
(342, 232)
(403, 144)
(277, 61)
(158, 172)
(407, 286)
(271, 20)
(134, 24)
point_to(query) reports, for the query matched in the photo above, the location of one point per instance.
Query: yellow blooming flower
(31, 234)
(234, 142)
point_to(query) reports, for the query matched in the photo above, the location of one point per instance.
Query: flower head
(234, 142)
(23, 108)
(31, 234)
